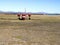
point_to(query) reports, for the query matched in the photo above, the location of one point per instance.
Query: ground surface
(40, 30)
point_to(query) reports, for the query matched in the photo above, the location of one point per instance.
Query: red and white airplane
(22, 16)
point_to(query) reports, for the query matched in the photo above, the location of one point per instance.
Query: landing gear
(29, 18)
(22, 18)
(19, 18)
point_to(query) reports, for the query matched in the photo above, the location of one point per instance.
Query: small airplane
(22, 16)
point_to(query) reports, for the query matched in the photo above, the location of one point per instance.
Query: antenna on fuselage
(25, 10)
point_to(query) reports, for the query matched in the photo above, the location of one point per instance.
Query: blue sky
(48, 6)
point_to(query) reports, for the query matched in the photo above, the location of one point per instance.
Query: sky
(48, 6)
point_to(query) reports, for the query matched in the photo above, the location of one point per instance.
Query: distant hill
(36, 13)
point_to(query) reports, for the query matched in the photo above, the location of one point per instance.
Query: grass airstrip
(40, 30)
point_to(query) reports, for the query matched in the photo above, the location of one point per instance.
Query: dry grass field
(40, 30)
